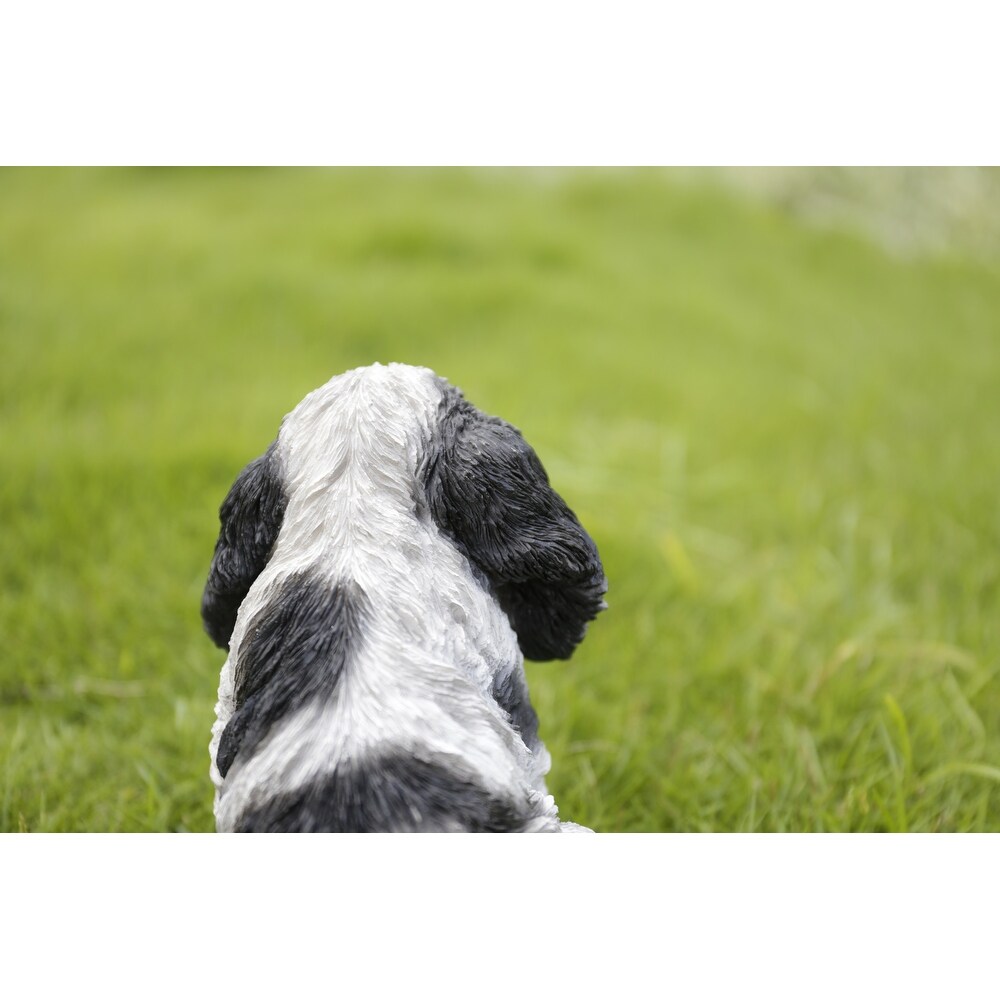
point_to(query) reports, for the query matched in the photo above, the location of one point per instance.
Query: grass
(783, 439)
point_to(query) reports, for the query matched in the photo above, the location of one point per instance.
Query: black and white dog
(376, 571)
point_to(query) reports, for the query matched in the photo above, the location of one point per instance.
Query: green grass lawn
(785, 441)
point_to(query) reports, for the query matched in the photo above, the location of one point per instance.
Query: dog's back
(375, 574)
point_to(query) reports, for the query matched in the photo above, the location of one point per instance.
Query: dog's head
(473, 475)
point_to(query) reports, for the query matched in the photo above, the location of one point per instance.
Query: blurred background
(771, 395)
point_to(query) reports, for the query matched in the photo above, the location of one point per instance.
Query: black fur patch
(294, 651)
(511, 694)
(250, 518)
(488, 492)
(393, 793)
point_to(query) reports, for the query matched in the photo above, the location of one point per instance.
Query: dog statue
(379, 573)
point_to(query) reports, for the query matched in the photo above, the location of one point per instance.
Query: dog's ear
(489, 493)
(250, 517)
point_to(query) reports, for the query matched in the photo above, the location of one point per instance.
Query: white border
(622, 916)
(520, 82)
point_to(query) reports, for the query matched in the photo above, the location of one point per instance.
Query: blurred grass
(784, 440)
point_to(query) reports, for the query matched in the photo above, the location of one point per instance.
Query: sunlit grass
(783, 440)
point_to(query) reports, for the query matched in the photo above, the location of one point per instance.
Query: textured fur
(378, 574)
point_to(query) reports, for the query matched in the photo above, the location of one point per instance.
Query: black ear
(251, 518)
(488, 492)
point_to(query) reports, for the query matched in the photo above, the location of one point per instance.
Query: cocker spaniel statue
(381, 571)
